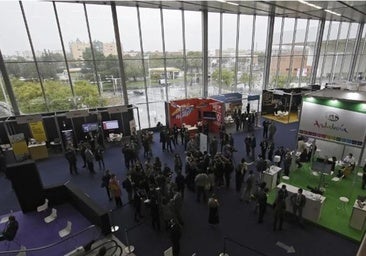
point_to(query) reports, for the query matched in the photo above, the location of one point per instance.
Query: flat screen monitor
(89, 127)
(110, 125)
(209, 115)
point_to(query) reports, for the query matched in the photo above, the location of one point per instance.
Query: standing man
(10, 230)
(175, 235)
(298, 202)
(265, 129)
(262, 203)
(247, 142)
(253, 144)
(89, 157)
(280, 208)
(71, 158)
(272, 130)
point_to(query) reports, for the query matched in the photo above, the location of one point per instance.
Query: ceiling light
(232, 3)
(221, 1)
(309, 4)
(335, 13)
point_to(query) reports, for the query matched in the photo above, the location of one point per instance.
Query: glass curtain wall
(336, 52)
(214, 54)
(360, 69)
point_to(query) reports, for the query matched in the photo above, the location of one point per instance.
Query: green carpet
(331, 218)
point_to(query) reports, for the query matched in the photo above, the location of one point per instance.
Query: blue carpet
(237, 220)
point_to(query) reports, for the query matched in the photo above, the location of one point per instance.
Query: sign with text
(332, 124)
(28, 119)
(77, 113)
(117, 109)
(38, 131)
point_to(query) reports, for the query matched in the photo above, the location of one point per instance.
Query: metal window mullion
(268, 51)
(237, 52)
(355, 51)
(143, 64)
(164, 53)
(345, 49)
(204, 59)
(220, 55)
(292, 52)
(325, 51)
(279, 51)
(303, 50)
(64, 52)
(8, 86)
(252, 53)
(317, 48)
(34, 55)
(92, 49)
(184, 54)
(120, 54)
(359, 39)
(335, 54)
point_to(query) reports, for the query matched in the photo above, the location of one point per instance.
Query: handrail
(115, 246)
(52, 244)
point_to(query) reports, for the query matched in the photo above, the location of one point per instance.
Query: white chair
(276, 159)
(285, 177)
(43, 207)
(22, 251)
(51, 217)
(343, 204)
(65, 231)
(4, 219)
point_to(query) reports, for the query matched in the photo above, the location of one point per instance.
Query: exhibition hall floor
(332, 217)
(284, 119)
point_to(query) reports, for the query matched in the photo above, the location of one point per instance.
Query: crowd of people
(154, 188)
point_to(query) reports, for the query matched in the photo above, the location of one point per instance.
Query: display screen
(90, 127)
(209, 115)
(110, 125)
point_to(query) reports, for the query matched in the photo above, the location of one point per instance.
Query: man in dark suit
(298, 202)
(10, 230)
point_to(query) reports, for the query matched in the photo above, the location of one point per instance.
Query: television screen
(209, 115)
(89, 127)
(110, 125)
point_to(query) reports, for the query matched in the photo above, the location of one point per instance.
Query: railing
(47, 249)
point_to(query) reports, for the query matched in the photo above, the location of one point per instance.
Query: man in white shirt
(349, 160)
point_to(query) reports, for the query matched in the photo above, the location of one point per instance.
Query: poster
(38, 131)
(333, 124)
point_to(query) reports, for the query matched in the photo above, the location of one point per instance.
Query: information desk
(271, 175)
(38, 151)
(314, 202)
(358, 216)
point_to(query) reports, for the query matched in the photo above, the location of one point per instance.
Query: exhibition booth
(333, 121)
(35, 136)
(282, 105)
(195, 112)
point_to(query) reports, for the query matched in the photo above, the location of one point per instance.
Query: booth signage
(28, 119)
(253, 97)
(77, 113)
(38, 131)
(332, 124)
(117, 109)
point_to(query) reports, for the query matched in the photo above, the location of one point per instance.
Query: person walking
(99, 157)
(213, 210)
(262, 203)
(89, 158)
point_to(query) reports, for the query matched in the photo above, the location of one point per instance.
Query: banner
(37, 130)
(332, 124)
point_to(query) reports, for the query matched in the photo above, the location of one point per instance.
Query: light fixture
(232, 3)
(335, 13)
(310, 4)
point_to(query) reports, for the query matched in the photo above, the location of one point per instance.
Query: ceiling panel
(354, 11)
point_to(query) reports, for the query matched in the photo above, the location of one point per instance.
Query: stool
(343, 203)
(285, 177)
(315, 173)
(360, 174)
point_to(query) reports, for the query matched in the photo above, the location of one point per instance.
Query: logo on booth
(331, 116)
(184, 111)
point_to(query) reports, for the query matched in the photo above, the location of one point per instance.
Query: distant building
(78, 47)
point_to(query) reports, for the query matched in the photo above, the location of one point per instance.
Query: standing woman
(99, 157)
(115, 188)
(213, 210)
(177, 164)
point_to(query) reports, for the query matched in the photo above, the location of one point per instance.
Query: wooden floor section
(292, 118)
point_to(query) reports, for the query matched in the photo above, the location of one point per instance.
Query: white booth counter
(271, 175)
(358, 216)
(314, 202)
